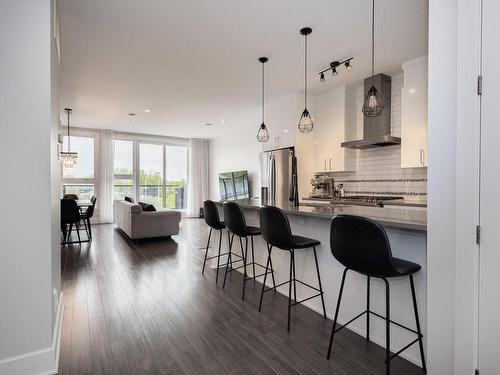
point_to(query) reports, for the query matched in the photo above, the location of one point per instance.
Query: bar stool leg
(265, 277)
(294, 278)
(319, 281)
(417, 321)
(387, 328)
(206, 250)
(271, 265)
(218, 257)
(244, 265)
(368, 307)
(290, 290)
(228, 257)
(337, 312)
(253, 260)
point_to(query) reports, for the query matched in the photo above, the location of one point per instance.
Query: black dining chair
(362, 245)
(236, 225)
(211, 216)
(70, 215)
(71, 196)
(276, 231)
(87, 215)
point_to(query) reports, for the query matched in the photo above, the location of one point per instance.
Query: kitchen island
(407, 232)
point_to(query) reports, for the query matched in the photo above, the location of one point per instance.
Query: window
(151, 181)
(176, 159)
(81, 179)
(123, 184)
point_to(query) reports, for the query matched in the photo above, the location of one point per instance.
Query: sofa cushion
(146, 207)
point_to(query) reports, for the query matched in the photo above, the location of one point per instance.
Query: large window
(80, 180)
(176, 160)
(151, 181)
(123, 184)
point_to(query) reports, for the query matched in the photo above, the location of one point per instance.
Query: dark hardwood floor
(143, 307)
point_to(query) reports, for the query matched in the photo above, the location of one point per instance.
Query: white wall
(441, 241)
(29, 242)
(237, 150)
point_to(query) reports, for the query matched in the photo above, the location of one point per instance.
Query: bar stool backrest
(362, 245)
(234, 219)
(70, 196)
(90, 210)
(69, 211)
(211, 214)
(275, 227)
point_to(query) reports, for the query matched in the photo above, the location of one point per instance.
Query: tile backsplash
(378, 170)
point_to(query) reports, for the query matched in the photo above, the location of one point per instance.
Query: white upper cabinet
(282, 117)
(414, 114)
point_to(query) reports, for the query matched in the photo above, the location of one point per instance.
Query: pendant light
(306, 123)
(263, 134)
(68, 158)
(373, 105)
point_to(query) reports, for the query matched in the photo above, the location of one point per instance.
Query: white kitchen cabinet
(330, 131)
(414, 114)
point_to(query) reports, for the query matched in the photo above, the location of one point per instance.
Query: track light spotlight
(348, 65)
(322, 77)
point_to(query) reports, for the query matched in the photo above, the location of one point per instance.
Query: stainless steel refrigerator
(278, 173)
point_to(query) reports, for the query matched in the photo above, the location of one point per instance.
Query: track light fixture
(333, 67)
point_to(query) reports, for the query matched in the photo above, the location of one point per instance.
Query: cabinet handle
(330, 164)
(422, 157)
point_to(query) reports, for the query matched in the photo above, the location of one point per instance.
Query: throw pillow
(128, 199)
(146, 207)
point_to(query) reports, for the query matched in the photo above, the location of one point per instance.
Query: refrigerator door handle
(273, 178)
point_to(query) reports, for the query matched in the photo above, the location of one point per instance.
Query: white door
(489, 279)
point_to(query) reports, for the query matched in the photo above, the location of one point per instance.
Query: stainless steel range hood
(376, 130)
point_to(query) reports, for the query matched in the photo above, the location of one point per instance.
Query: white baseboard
(40, 362)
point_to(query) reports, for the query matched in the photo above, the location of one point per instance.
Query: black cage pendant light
(373, 105)
(263, 134)
(68, 158)
(306, 123)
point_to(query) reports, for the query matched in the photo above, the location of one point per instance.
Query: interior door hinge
(479, 84)
(478, 234)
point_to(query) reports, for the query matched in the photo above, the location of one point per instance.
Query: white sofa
(136, 223)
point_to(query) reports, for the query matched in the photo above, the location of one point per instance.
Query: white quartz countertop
(403, 217)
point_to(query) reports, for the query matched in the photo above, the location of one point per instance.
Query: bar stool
(361, 245)
(236, 225)
(276, 231)
(211, 215)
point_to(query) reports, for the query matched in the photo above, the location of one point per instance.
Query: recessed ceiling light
(285, 130)
(147, 110)
(223, 121)
(131, 114)
(208, 124)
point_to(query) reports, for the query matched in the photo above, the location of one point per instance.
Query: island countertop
(396, 217)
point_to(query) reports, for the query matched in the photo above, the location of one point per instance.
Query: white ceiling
(195, 61)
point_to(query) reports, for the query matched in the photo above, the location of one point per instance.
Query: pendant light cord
(69, 141)
(373, 37)
(263, 92)
(305, 72)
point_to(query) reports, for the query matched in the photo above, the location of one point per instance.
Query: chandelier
(68, 158)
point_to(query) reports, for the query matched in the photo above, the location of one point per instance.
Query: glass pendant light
(263, 134)
(373, 105)
(68, 158)
(306, 123)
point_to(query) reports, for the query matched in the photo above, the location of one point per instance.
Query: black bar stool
(361, 245)
(211, 215)
(236, 225)
(276, 231)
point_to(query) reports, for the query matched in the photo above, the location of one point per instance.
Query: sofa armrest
(155, 224)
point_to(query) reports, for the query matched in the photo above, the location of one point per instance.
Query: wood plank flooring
(144, 307)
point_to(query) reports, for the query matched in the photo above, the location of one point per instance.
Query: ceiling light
(373, 105)
(285, 130)
(68, 158)
(263, 134)
(131, 114)
(147, 110)
(306, 123)
(333, 67)
(209, 124)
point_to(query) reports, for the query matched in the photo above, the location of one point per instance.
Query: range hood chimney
(377, 130)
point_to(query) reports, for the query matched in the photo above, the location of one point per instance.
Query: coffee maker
(323, 187)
